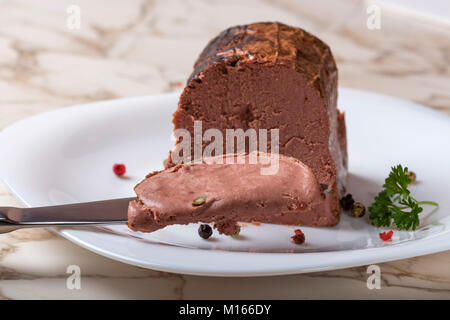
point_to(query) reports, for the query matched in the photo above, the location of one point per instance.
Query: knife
(78, 214)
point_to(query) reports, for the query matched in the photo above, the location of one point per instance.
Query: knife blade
(77, 214)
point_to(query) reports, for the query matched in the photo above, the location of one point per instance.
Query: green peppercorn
(205, 231)
(199, 201)
(411, 176)
(237, 231)
(358, 210)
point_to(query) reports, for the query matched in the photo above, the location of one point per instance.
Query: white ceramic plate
(66, 156)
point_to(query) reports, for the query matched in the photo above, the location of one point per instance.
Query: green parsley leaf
(394, 204)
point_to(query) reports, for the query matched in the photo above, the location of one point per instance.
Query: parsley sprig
(395, 204)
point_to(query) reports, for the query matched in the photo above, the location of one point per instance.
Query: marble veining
(142, 47)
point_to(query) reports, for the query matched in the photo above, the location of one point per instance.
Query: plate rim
(396, 253)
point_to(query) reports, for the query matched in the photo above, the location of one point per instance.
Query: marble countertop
(137, 47)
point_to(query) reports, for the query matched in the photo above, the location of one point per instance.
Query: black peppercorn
(358, 210)
(299, 237)
(347, 202)
(205, 231)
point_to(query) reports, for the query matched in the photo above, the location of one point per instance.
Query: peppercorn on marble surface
(142, 47)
